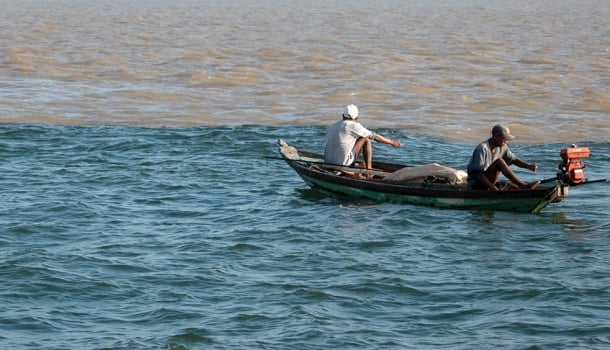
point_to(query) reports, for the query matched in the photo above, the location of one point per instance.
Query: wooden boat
(422, 189)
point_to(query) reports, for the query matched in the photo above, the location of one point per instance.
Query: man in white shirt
(347, 138)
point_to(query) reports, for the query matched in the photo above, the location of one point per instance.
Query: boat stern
(560, 194)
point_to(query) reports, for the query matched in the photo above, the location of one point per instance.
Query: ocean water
(120, 237)
(141, 209)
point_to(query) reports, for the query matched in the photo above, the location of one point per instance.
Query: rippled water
(187, 238)
(139, 211)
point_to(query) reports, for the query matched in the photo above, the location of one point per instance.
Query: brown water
(448, 69)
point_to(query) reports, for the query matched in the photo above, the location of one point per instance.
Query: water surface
(139, 211)
(187, 238)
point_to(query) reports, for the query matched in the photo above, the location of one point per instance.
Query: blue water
(188, 238)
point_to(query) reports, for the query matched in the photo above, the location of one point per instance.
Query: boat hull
(307, 166)
(525, 204)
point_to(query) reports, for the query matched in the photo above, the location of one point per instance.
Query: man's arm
(381, 139)
(522, 164)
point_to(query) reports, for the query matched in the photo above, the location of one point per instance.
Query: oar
(586, 182)
(550, 179)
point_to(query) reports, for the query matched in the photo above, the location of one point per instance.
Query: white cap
(350, 111)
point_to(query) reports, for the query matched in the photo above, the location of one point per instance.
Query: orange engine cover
(574, 153)
(573, 166)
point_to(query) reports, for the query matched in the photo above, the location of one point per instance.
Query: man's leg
(364, 145)
(500, 165)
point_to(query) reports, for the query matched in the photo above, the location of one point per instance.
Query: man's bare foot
(531, 185)
(504, 186)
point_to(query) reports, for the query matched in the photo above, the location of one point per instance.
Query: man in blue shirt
(492, 157)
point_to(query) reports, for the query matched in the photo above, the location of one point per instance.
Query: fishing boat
(432, 184)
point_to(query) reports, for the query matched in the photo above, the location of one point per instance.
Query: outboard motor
(571, 170)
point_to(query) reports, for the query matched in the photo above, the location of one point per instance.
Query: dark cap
(501, 130)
